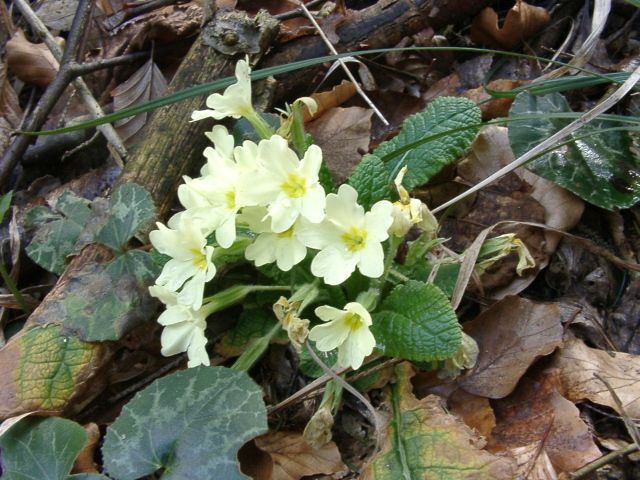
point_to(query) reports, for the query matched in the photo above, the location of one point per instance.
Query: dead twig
(602, 461)
(59, 84)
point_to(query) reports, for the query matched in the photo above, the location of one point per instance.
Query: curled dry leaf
(31, 62)
(343, 134)
(291, 458)
(578, 364)
(521, 22)
(511, 334)
(330, 99)
(474, 410)
(537, 414)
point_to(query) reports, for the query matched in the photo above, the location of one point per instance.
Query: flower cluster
(268, 188)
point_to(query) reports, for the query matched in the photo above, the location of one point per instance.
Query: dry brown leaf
(521, 22)
(57, 14)
(533, 462)
(511, 335)
(10, 111)
(343, 134)
(84, 461)
(145, 84)
(291, 458)
(490, 106)
(578, 364)
(474, 410)
(330, 99)
(537, 414)
(31, 62)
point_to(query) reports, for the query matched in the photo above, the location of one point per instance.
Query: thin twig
(298, 12)
(341, 381)
(602, 461)
(602, 107)
(342, 64)
(55, 89)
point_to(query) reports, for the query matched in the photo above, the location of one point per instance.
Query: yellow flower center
(230, 197)
(286, 234)
(352, 321)
(355, 239)
(199, 259)
(295, 186)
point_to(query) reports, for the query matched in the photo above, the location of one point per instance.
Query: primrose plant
(268, 203)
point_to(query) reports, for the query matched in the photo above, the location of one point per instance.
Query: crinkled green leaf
(253, 323)
(445, 279)
(190, 424)
(425, 442)
(309, 367)
(99, 306)
(141, 265)
(5, 203)
(131, 208)
(41, 448)
(601, 168)
(43, 369)
(371, 180)
(416, 322)
(426, 160)
(52, 243)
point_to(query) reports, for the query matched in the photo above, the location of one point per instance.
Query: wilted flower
(347, 330)
(348, 237)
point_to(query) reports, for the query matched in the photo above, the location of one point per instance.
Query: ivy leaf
(43, 370)
(190, 424)
(371, 180)
(131, 208)
(140, 265)
(42, 448)
(416, 322)
(602, 168)
(56, 239)
(427, 159)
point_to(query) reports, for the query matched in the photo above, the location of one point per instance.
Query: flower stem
(252, 354)
(234, 295)
(298, 136)
(13, 289)
(260, 125)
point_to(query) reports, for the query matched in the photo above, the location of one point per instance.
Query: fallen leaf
(145, 84)
(57, 14)
(536, 413)
(31, 62)
(521, 22)
(490, 106)
(578, 364)
(511, 335)
(343, 134)
(84, 462)
(533, 462)
(474, 410)
(10, 111)
(423, 441)
(330, 99)
(291, 458)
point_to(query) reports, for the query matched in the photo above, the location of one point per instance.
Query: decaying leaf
(578, 364)
(10, 111)
(84, 462)
(533, 462)
(57, 14)
(291, 458)
(474, 410)
(537, 414)
(145, 84)
(423, 442)
(343, 134)
(330, 99)
(31, 62)
(44, 370)
(511, 334)
(521, 22)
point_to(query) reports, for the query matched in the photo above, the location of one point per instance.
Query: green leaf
(56, 239)
(427, 159)
(41, 448)
(254, 322)
(140, 265)
(601, 168)
(416, 322)
(38, 216)
(371, 180)
(5, 203)
(309, 367)
(243, 130)
(190, 423)
(43, 369)
(103, 303)
(131, 208)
